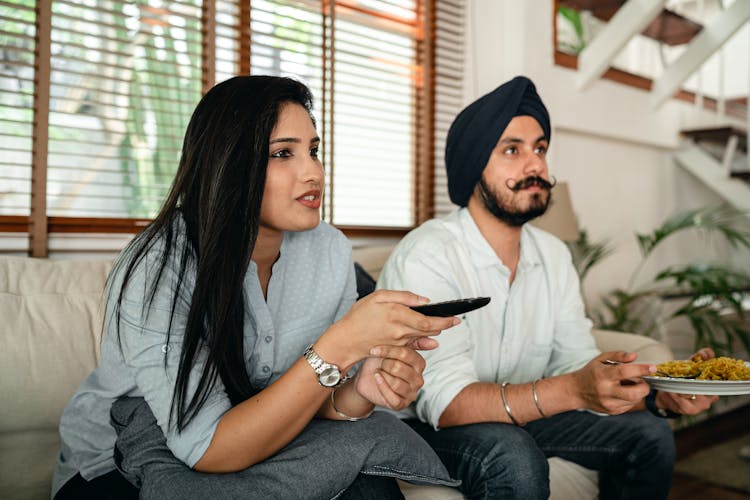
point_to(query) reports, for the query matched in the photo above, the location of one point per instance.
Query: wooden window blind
(228, 28)
(373, 113)
(97, 153)
(125, 78)
(17, 32)
(449, 69)
(359, 60)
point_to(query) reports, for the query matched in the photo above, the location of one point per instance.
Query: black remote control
(452, 307)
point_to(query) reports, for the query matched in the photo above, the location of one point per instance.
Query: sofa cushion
(27, 461)
(50, 333)
(568, 481)
(417, 492)
(649, 350)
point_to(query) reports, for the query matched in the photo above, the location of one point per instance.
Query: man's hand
(611, 383)
(684, 404)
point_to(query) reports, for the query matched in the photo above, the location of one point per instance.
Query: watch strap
(315, 361)
(319, 366)
(659, 412)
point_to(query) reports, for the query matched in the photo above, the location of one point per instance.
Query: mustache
(532, 180)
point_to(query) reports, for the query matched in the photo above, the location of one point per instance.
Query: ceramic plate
(703, 387)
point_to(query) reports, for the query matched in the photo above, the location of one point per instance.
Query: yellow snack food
(721, 368)
(680, 368)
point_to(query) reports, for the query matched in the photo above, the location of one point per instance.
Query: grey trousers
(320, 463)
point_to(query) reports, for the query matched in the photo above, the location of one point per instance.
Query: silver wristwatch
(329, 375)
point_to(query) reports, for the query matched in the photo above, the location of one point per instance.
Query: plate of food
(721, 376)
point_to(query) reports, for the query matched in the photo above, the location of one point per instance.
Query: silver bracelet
(506, 405)
(344, 415)
(536, 399)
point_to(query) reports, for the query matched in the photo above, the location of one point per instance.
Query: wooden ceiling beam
(629, 21)
(720, 29)
(668, 27)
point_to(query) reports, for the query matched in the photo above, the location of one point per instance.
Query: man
(502, 390)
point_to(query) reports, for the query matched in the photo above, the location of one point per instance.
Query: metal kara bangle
(536, 399)
(344, 415)
(506, 405)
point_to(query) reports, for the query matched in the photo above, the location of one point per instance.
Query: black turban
(476, 130)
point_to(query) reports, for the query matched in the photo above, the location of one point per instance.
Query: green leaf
(575, 43)
(574, 17)
(586, 254)
(717, 330)
(704, 279)
(624, 312)
(722, 219)
(712, 294)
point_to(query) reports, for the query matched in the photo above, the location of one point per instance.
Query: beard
(503, 208)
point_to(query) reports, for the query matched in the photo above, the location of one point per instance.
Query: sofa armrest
(649, 350)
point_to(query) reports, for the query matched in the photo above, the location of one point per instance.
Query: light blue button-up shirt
(312, 285)
(534, 328)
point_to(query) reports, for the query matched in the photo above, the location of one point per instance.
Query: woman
(231, 313)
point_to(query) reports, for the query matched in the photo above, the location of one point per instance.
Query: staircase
(718, 158)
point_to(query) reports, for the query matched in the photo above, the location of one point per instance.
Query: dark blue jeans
(634, 454)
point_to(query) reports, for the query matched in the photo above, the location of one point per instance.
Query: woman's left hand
(391, 377)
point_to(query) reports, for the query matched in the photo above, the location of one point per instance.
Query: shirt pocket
(533, 362)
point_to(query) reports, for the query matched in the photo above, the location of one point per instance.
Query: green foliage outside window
(570, 33)
(162, 93)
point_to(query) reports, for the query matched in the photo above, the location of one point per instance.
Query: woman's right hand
(383, 318)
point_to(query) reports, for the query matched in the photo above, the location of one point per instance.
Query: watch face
(329, 377)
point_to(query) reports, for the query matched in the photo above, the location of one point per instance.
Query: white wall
(619, 188)
(607, 142)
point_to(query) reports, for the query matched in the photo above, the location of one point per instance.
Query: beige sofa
(50, 335)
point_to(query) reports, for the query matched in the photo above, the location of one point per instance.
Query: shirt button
(266, 369)
(269, 338)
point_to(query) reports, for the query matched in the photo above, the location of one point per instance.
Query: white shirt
(534, 328)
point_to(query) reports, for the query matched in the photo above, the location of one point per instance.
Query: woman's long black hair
(218, 191)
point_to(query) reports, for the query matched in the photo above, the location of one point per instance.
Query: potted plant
(709, 296)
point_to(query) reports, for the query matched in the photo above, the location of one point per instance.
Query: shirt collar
(482, 253)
